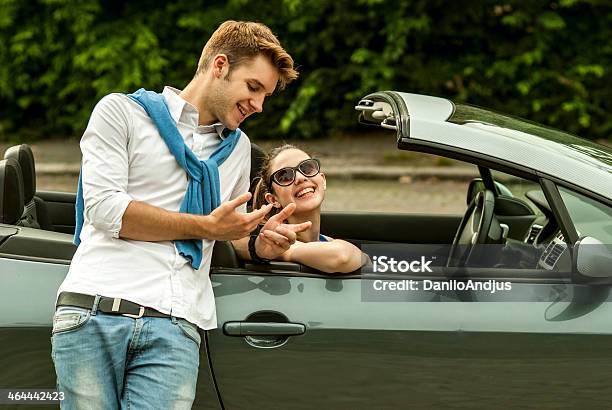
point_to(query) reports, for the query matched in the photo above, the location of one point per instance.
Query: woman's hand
(276, 237)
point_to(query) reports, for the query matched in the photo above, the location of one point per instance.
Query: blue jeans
(105, 361)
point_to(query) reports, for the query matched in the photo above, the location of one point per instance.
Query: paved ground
(363, 150)
(447, 197)
(365, 173)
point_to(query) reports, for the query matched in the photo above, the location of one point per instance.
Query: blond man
(125, 330)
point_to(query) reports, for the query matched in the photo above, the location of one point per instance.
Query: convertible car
(538, 221)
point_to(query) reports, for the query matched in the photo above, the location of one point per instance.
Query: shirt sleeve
(244, 182)
(105, 164)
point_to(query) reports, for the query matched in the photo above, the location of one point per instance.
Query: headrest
(257, 158)
(11, 192)
(23, 155)
(224, 255)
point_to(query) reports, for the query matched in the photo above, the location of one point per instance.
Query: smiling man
(163, 176)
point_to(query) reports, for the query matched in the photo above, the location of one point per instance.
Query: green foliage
(544, 60)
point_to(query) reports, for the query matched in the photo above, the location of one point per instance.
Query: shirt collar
(178, 106)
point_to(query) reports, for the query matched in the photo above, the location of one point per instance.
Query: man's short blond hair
(241, 41)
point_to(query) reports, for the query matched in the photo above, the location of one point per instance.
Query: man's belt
(114, 306)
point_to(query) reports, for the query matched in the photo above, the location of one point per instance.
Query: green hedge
(546, 61)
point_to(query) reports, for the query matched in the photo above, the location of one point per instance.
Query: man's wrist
(205, 227)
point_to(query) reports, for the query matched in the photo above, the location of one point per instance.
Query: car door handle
(263, 329)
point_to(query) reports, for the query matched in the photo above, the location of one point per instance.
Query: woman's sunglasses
(286, 176)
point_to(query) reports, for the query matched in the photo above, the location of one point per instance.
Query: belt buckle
(138, 316)
(117, 304)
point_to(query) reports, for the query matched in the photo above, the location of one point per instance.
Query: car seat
(35, 214)
(11, 192)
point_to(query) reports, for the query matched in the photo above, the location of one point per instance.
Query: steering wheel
(478, 226)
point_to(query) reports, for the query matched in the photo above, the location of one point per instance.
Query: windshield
(591, 218)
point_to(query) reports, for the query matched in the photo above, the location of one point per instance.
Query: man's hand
(224, 223)
(144, 222)
(275, 236)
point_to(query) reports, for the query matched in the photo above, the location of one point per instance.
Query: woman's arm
(333, 256)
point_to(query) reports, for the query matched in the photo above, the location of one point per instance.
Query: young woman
(289, 175)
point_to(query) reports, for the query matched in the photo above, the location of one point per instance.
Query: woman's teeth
(303, 192)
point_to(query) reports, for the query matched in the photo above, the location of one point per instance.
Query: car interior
(38, 225)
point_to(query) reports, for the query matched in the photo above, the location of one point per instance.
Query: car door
(27, 298)
(292, 338)
(329, 348)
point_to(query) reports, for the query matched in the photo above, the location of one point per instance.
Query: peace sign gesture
(276, 237)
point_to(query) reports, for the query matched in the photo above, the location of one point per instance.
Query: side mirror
(593, 258)
(476, 185)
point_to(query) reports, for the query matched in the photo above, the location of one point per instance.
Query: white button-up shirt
(125, 159)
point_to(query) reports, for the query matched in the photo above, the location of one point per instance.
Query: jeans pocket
(68, 318)
(190, 330)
